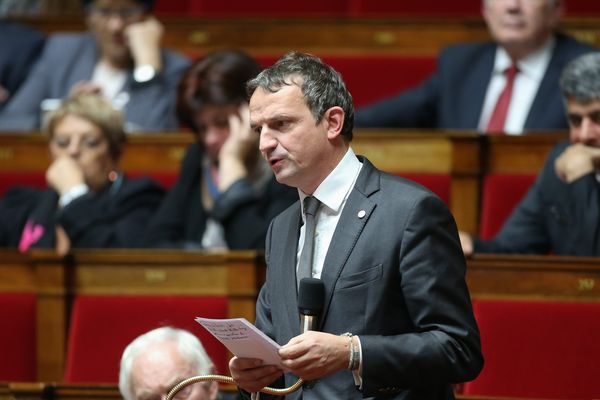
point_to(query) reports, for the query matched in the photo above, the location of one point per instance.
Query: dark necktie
(311, 204)
(498, 118)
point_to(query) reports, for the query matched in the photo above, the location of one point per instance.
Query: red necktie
(498, 118)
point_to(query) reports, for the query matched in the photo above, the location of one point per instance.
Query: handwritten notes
(243, 339)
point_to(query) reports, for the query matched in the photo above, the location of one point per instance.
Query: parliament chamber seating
(102, 326)
(18, 337)
(10, 179)
(356, 8)
(538, 349)
(500, 195)
(373, 77)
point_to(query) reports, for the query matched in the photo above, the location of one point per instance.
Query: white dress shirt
(332, 193)
(531, 72)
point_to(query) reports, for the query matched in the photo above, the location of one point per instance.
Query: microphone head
(311, 296)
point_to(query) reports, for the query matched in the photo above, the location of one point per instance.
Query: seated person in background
(120, 59)
(89, 203)
(20, 47)
(156, 361)
(226, 194)
(465, 91)
(561, 211)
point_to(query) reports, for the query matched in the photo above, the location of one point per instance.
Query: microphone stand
(228, 379)
(311, 292)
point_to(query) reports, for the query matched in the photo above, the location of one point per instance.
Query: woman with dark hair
(226, 194)
(89, 202)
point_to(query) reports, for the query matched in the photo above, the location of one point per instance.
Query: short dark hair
(321, 85)
(218, 79)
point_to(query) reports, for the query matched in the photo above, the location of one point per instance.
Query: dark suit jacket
(552, 217)
(452, 98)
(244, 212)
(70, 58)
(21, 46)
(114, 217)
(394, 277)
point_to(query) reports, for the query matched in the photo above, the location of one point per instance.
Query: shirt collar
(534, 65)
(334, 189)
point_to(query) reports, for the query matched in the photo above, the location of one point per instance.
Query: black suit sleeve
(246, 214)
(111, 219)
(416, 107)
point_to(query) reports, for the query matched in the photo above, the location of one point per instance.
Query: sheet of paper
(243, 339)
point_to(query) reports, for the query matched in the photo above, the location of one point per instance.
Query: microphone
(311, 296)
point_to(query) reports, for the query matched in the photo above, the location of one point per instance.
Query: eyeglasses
(575, 120)
(128, 14)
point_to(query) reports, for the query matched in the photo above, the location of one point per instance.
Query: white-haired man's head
(157, 360)
(522, 27)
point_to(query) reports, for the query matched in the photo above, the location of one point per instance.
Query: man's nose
(267, 141)
(586, 129)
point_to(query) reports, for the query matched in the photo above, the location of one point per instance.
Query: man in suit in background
(120, 59)
(21, 46)
(397, 320)
(561, 211)
(470, 79)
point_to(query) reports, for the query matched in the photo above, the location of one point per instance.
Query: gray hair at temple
(189, 347)
(321, 85)
(580, 80)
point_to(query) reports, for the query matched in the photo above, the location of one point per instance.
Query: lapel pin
(362, 213)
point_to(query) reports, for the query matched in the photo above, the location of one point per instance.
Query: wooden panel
(519, 154)
(533, 277)
(29, 152)
(326, 35)
(63, 391)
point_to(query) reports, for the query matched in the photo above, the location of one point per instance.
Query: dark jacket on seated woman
(113, 217)
(244, 210)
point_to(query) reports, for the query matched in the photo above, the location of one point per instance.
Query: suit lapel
(288, 264)
(548, 91)
(354, 217)
(472, 94)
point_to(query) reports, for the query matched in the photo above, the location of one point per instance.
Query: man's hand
(144, 39)
(251, 374)
(466, 242)
(239, 150)
(314, 355)
(63, 174)
(576, 161)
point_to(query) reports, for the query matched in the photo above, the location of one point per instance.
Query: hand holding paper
(243, 339)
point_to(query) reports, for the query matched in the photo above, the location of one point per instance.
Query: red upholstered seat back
(387, 74)
(9, 179)
(427, 8)
(102, 326)
(437, 183)
(501, 193)
(538, 349)
(17, 337)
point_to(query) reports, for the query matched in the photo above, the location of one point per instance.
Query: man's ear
(334, 117)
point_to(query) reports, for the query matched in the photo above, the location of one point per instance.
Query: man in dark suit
(470, 78)
(397, 320)
(21, 46)
(560, 213)
(121, 59)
